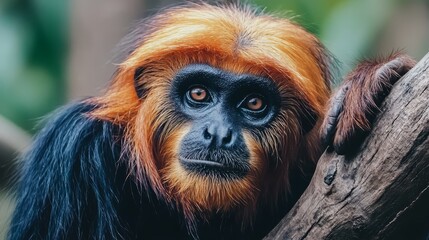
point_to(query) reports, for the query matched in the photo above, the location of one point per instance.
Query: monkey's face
(216, 163)
(221, 106)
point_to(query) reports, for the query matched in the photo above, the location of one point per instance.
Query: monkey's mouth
(203, 162)
(213, 168)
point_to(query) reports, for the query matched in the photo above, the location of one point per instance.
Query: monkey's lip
(208, 167)
(203, 162)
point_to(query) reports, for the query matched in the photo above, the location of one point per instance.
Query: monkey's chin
(205, 187)
(213, 168)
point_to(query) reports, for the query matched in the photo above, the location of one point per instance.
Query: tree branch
(382, 191)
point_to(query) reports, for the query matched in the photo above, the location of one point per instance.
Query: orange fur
(240, 41)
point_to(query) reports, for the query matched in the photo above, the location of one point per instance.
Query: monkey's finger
(394, 69)
(348, 138)
(370, 83)
(330, 121)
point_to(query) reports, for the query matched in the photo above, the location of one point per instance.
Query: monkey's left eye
(254, 103)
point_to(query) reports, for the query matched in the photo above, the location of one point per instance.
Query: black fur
(74, 186)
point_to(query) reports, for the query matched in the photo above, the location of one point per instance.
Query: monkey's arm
(67, 188)
(355, 104)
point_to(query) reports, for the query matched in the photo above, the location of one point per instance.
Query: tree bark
(380, 192)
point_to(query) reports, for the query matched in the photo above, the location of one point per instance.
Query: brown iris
(198, 94)
(255, 104)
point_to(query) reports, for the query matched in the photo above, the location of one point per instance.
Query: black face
(220, 105)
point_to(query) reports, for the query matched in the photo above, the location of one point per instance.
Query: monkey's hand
(355, 104)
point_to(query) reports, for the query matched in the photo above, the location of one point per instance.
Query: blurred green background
(56, 51)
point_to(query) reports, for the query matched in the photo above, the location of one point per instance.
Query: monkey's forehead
(220, 35)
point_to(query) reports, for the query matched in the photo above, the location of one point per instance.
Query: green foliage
(32, 58)
(348, 28)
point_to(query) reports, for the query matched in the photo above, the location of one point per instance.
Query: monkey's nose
(217, 135)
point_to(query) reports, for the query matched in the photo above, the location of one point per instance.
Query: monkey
(210, 129)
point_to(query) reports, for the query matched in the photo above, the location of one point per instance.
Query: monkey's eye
(198, 94)
(254, 103)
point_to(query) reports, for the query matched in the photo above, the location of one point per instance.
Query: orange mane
(236, 39)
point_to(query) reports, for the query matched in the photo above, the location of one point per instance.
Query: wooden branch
(381, 192)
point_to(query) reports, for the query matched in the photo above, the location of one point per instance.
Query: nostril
(216, 135)
(228, 137)
(206, 134)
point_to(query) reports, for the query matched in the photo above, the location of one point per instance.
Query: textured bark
(382, 190)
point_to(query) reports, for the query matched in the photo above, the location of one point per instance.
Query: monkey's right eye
(198, 94)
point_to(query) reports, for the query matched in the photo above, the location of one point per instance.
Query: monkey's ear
(138, 83)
